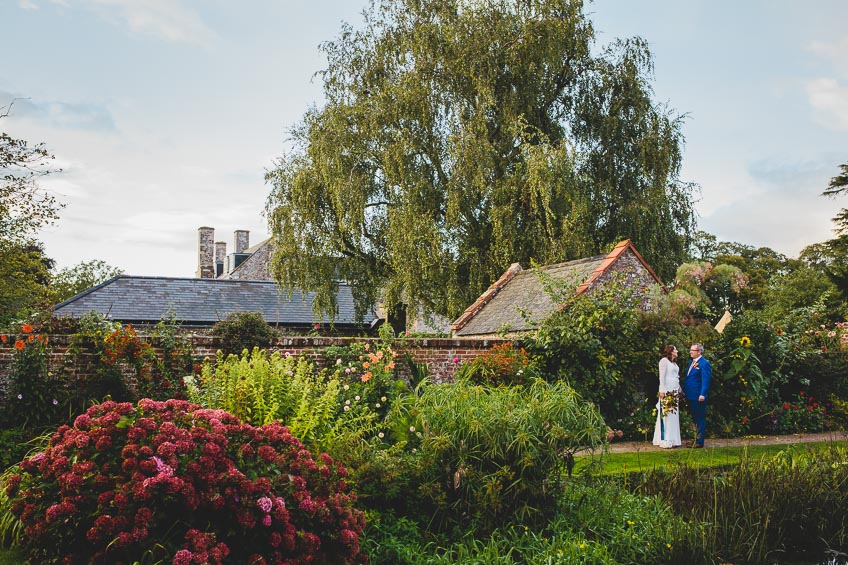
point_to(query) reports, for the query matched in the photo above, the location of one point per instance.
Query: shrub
(98, 365)
(260, 389)
(35, 396)
(169, 481)
(503, 364)
(488, 455)
(243, 331)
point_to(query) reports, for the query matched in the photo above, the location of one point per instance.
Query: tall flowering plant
(35, 396)
(168, 481)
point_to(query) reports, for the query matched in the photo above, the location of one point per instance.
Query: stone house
(517, 303)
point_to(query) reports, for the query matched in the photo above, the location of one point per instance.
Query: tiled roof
(523, 295)
(518, 301)
(201, 301)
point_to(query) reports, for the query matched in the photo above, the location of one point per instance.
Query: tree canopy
(457, 137)
(70, 281)
(24, 207)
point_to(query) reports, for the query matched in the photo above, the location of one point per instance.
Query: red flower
(19, 345)
(26, 328)
(3, 338)
(786, 406)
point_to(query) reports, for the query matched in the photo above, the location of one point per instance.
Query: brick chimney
(205, 251)
(220, 257)
(241, 241)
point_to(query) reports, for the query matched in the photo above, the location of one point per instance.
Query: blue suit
(697, 383)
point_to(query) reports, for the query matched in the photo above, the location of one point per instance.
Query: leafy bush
(169, 481)
(592, 524)
(802, 414)
(35, 396)
(95, 368)
(503, 364)
(243, 331)
(488, 455)
(260, 389)
(174, 363)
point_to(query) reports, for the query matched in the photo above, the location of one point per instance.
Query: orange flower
(4, 339)
(367, 346)
(19, 345)
(379, 355)
(366, 365)
(391, 365)
(366, 377)
(26, 328)
(30, 338)
(40, 337)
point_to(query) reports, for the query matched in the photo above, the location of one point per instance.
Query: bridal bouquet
(670, 402)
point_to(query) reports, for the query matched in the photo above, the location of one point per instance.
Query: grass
(614, 464)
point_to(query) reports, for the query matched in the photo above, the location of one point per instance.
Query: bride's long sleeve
(663, 370)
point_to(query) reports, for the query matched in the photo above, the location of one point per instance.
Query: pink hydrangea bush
(169, 481)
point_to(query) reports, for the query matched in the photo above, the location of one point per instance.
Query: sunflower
(745, 341)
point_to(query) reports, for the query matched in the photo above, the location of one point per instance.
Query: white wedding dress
(667, 430)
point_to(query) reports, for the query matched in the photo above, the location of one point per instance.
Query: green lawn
(613, 464)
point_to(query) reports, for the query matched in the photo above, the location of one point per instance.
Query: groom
(696, 386)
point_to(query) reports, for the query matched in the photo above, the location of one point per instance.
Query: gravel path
(624, 446)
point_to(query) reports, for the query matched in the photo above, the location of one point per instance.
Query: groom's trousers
(699, 417)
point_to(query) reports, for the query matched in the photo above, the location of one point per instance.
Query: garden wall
(442, 355)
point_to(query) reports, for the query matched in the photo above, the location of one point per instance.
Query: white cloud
(829, 99)
(836, 51)
(168, 20)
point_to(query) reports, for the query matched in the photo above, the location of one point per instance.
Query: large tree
(459, 136)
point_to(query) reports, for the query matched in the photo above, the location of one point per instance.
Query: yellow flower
(745, 341)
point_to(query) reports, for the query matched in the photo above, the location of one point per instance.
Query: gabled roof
(517, 301)
(202, 302)
(257, 253)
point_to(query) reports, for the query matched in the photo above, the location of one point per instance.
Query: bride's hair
(667, 350)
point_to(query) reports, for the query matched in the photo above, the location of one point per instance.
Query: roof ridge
(486, 297)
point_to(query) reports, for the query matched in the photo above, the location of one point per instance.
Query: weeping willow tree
(459, 136)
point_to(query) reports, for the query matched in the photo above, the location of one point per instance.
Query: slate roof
(202, 302)
(517, 301)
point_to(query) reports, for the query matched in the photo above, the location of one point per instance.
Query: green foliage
(70, 281)
(174, 362)
(24, 207)
(24, 280)
(260, 389)
(762, 507)
(592, 523)
(35, 396)
(713, 288)
(490, 455)
(598, 346)
(457, 138)
(503, 364)
(242, 331)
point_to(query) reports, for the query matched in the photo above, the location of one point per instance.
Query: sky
(164, 115)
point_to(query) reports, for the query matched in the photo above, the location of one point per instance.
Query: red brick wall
(442, 355)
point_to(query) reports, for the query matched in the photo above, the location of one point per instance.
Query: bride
(667, 431)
